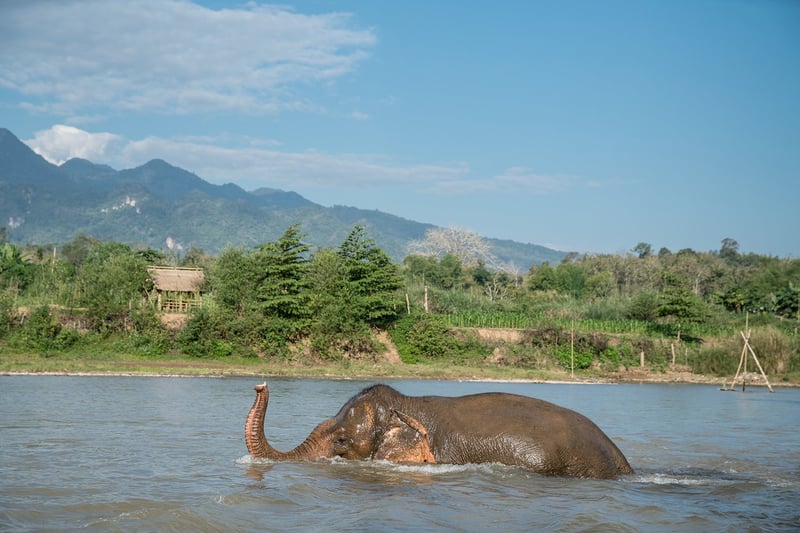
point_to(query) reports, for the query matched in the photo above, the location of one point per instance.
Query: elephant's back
(496, 411)
(520, 430)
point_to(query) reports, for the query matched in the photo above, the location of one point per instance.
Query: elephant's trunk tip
(261, 387)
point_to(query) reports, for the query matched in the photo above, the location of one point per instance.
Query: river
(168, 454)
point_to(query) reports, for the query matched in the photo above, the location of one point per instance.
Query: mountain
(158, 203)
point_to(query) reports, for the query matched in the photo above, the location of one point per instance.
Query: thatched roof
(177, 279)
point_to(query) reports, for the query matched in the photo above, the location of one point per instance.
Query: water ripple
(156, 454)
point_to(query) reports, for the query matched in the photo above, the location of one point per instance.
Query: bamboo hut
(175, 289)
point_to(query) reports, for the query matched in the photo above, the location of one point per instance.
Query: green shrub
(41, 329)
(399, 335)
(468, 346)
(429, 338)
(273, 337)
(644, 306)
(222, 348)
(717, 361)
(611, 355)
(627, 354)
(66, 338)
(564, 355)
(422, 336)
(7, 312)
(352, 341)
(205, 336)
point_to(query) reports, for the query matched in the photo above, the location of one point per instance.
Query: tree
(480, 274)
(14, 269)
(282, 286)
(326, 282)
(786, 301)
(678, 302)
(151, 256)
(620, 268)
(420, 270)
(372, 279)
(729, 249)
(233, 281)
(542, 278)
(351, 290)
(232, 323)
(466, 245)
(335, 326)
(195, 257)
(76, 251)
(571, 279)
(643, 250)
(701, 270)
(644, 306)
(428, 270)
(734, 299)
(600, 285)
(497, 286)
(113, 281)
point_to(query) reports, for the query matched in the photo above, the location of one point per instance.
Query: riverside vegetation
(449, 311)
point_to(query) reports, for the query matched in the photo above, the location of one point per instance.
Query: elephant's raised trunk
(254, 436)
(257, 443)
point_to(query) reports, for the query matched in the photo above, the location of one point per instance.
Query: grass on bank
(117, 355)
(176, 364)
(431, 352)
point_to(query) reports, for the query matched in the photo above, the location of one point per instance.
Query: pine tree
(373, 281)
(282, 290)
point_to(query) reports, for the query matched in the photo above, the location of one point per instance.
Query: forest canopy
(283, 299)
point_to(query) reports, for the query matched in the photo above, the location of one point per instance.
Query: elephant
(491, 427)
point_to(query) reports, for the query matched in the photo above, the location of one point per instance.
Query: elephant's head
(363, 429)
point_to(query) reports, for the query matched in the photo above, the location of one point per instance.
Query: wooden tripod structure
(747, 349)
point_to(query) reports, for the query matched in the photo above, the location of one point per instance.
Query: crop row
(512, 320)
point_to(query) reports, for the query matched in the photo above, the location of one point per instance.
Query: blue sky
(579, 125)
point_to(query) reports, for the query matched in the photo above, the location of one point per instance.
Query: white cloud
(253, 166)
(171, 56)
(521, 178)
(61, 143)
(514, 179)
(246, 163)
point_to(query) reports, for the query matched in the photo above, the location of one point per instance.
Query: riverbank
(132, 365)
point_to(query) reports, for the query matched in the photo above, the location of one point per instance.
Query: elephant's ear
(412, 422)
(405, 440)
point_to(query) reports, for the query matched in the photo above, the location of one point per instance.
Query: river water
(168, 454)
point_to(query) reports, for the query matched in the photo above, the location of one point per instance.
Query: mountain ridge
(159, 203)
